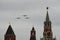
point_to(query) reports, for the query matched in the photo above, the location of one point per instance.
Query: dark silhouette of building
(47, 34)
(9, 34)
(33, 34)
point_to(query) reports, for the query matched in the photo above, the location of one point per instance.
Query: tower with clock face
(33, 34)
(47, 34)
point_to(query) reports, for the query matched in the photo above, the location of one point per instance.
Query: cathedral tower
(47, 34)
(33, 34)
(9, 34)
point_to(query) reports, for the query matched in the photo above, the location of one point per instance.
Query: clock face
(48, 33)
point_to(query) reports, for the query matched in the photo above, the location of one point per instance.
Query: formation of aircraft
(26, 17)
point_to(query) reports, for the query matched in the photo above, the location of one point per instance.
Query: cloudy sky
(36, 11)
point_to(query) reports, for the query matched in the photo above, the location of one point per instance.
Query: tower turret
(33, 34)
(10, 35)
(47, 23)
(47, 34)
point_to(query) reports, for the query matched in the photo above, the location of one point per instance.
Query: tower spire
(33, 34)
(33, 28)
(10, 30)
(47, 16)
(47, 33)
(10, 35)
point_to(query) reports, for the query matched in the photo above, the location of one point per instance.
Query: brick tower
(9, 34)
(33, 34)
(47, 34)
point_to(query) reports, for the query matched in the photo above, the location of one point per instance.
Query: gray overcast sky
(36, 10)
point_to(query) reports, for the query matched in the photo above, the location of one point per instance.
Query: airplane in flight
(18, 18)
(25, 15)
(27, 18)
